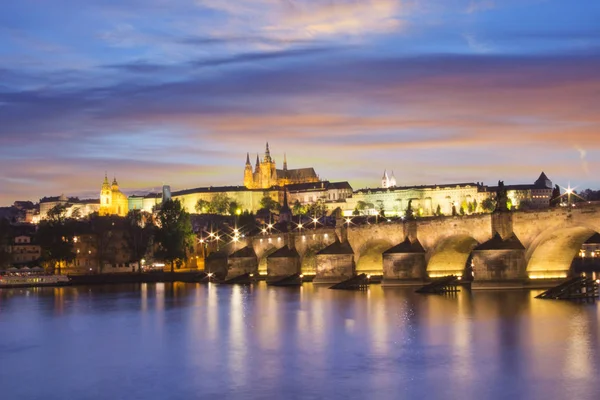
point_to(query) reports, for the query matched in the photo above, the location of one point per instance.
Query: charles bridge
(505, 248)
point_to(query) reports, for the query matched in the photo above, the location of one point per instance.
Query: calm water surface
(187, 341)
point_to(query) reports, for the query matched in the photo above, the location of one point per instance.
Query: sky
(178, 91)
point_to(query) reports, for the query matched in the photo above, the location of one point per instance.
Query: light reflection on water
(203, 341)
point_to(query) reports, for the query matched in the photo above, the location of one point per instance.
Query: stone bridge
(512, 246)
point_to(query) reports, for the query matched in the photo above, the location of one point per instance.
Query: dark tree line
(171, 238)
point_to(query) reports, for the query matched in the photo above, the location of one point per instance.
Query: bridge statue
(501, 198)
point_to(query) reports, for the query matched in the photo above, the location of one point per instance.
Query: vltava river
(194, 341)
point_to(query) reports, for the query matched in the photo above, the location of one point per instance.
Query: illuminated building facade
(266, 175)
(112, 200)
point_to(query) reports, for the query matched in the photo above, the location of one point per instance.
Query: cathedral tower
(248, 176)
(105, 197)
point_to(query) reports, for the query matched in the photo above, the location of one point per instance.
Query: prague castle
(266, 175)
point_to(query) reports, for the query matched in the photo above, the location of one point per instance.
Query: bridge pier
(284, 261)
(404, 264)
(242, 261)
(335, 263)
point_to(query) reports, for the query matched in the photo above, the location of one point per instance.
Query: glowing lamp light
(369, 276)
(209, 275)
(315, 220)
(270, 226)
(301, 276)
(264, 230)
(238, 211)
(300, 226)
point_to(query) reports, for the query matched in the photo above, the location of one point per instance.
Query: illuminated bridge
(511, 247)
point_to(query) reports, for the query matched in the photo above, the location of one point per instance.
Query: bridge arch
(370, 256)
(552, 252)
(450, 255)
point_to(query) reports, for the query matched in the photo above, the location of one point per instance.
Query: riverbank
(145, 277)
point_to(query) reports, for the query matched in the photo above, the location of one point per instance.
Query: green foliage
(475, 205)
(267, 203)
(298, 208)
(317, 208)
(106, 240)
(361, 205)
(454, 213)
(488, 205)
(55, 237)
(139, 234)
(234, 208)
(219, 204)
(438, 211)
(5, 255)
(57, 214)
(470, 208)
(174, 235)
(202, 206)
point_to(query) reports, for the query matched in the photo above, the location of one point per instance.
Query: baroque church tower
(112, 200)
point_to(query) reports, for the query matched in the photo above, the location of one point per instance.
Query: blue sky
(157, 91)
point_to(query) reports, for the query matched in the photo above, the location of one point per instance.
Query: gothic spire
(267, 153)
(257, 161)
(248, 159)
(284, 162)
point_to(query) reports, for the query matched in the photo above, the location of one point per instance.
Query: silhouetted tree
(174, 235)
(234, 207)
(139, 234)
(267, 203)
(219, 204)
(202, 206)
(488, 205)
(5, 235)
(55, 237)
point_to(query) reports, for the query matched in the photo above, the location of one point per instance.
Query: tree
(470, 208)
(219, 204)
(57, 214)
(247, 221)
(267, 203)
(202, 206)
(234, 208)
(361, 206)
(317, 208)
(488, 205)
(174, 235)
(589, 194)
(55, 237)
(139, 232)
(105, 238)
(526, 205)
(5, 255)
(454, 210)
(438, 211)
(298, 208)
(475, 205)
(409, 213)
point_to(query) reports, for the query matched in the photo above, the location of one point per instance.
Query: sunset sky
(176, 92)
